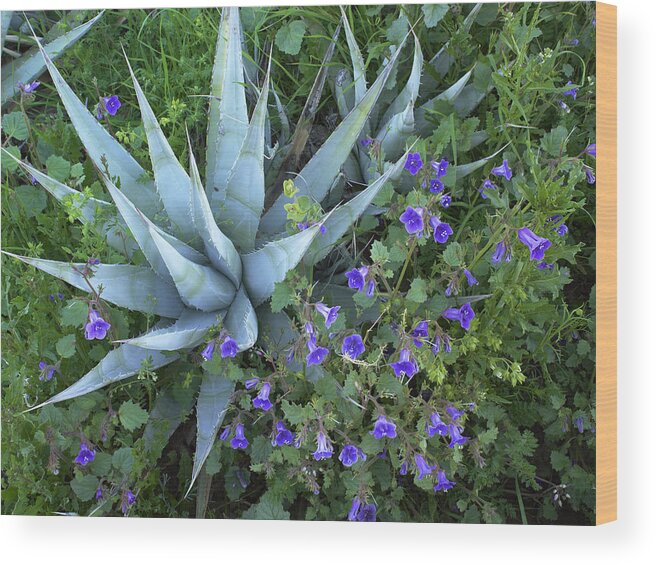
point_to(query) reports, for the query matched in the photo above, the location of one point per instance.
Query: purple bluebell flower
(423, 467)
(440, 168)
(562, 230)
(251, 383)
(111, 104)
(563, 106)
(367, 513)
(445, 201)
(578, 422)
(324, 448)
(420, 331)
(96, 328)
(99, 113)
(350, 455)
(413, 163)
(403, 469)
(29, 87)
(464, 315)
(406, 365)
(208, 352)
(384, 428)
(573, 42)
(413, 220)
(471, 279)
(353, 346)
(589, 175)
(309, 330)
(441, 230)
(99, 494)
(85, 455)
(572, 91)
(436, 186)
(451, 287)
(502, 170)
(127, 500)
(354, 512)
(33, 180)
(47, 371)
(544, 266)
(487, 185)
(436, 426)
(283, 435)
(262, 399)
(366, 141)
(317, 353)
(456, 437)
(239, 440)
(356, 277)
(454, 413)
(93, 261)
(302, 226)
(443, 483)
(437, 342)
(371, 287)
(591, 149)
(501, 251)
(225, 433)
(329, 314)
(229, 347)
(537, 245)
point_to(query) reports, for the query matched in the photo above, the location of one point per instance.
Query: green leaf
(398, 30)
(559, 461)
(119, 364)
(171, 180)
(241, 322)
(122, 460)
(136, 288)
(270, 264)
(433, 13)
(132, 416)
(58, 168)
(228, 118)
(379, 253)
(270, 508)
(10, 165)
(199, 286)
(104, 150)
(14, 125)
(417, 291)
(75, 313)
(66, 346)
(187, 331)
(218, 247)
(290, 37)
(213, 399)
(453, 254)
(554, 143)
(101, 464)
(282, 296)
(85, 486)
(244, 198)
(261, 449)
(32, 199)
(30, 65)
(318, 175)
(359, 75)
(326, 387)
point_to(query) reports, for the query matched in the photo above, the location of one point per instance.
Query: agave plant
(214, 253)
(28, 66)
(408, 112)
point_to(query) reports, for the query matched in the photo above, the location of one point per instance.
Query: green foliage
(526, 366)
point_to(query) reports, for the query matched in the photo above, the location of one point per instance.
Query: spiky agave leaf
(208, 271)
(30, 65)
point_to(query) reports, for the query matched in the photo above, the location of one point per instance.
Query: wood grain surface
(606, 263)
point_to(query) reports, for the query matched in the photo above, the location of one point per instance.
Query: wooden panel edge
(606, 224)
